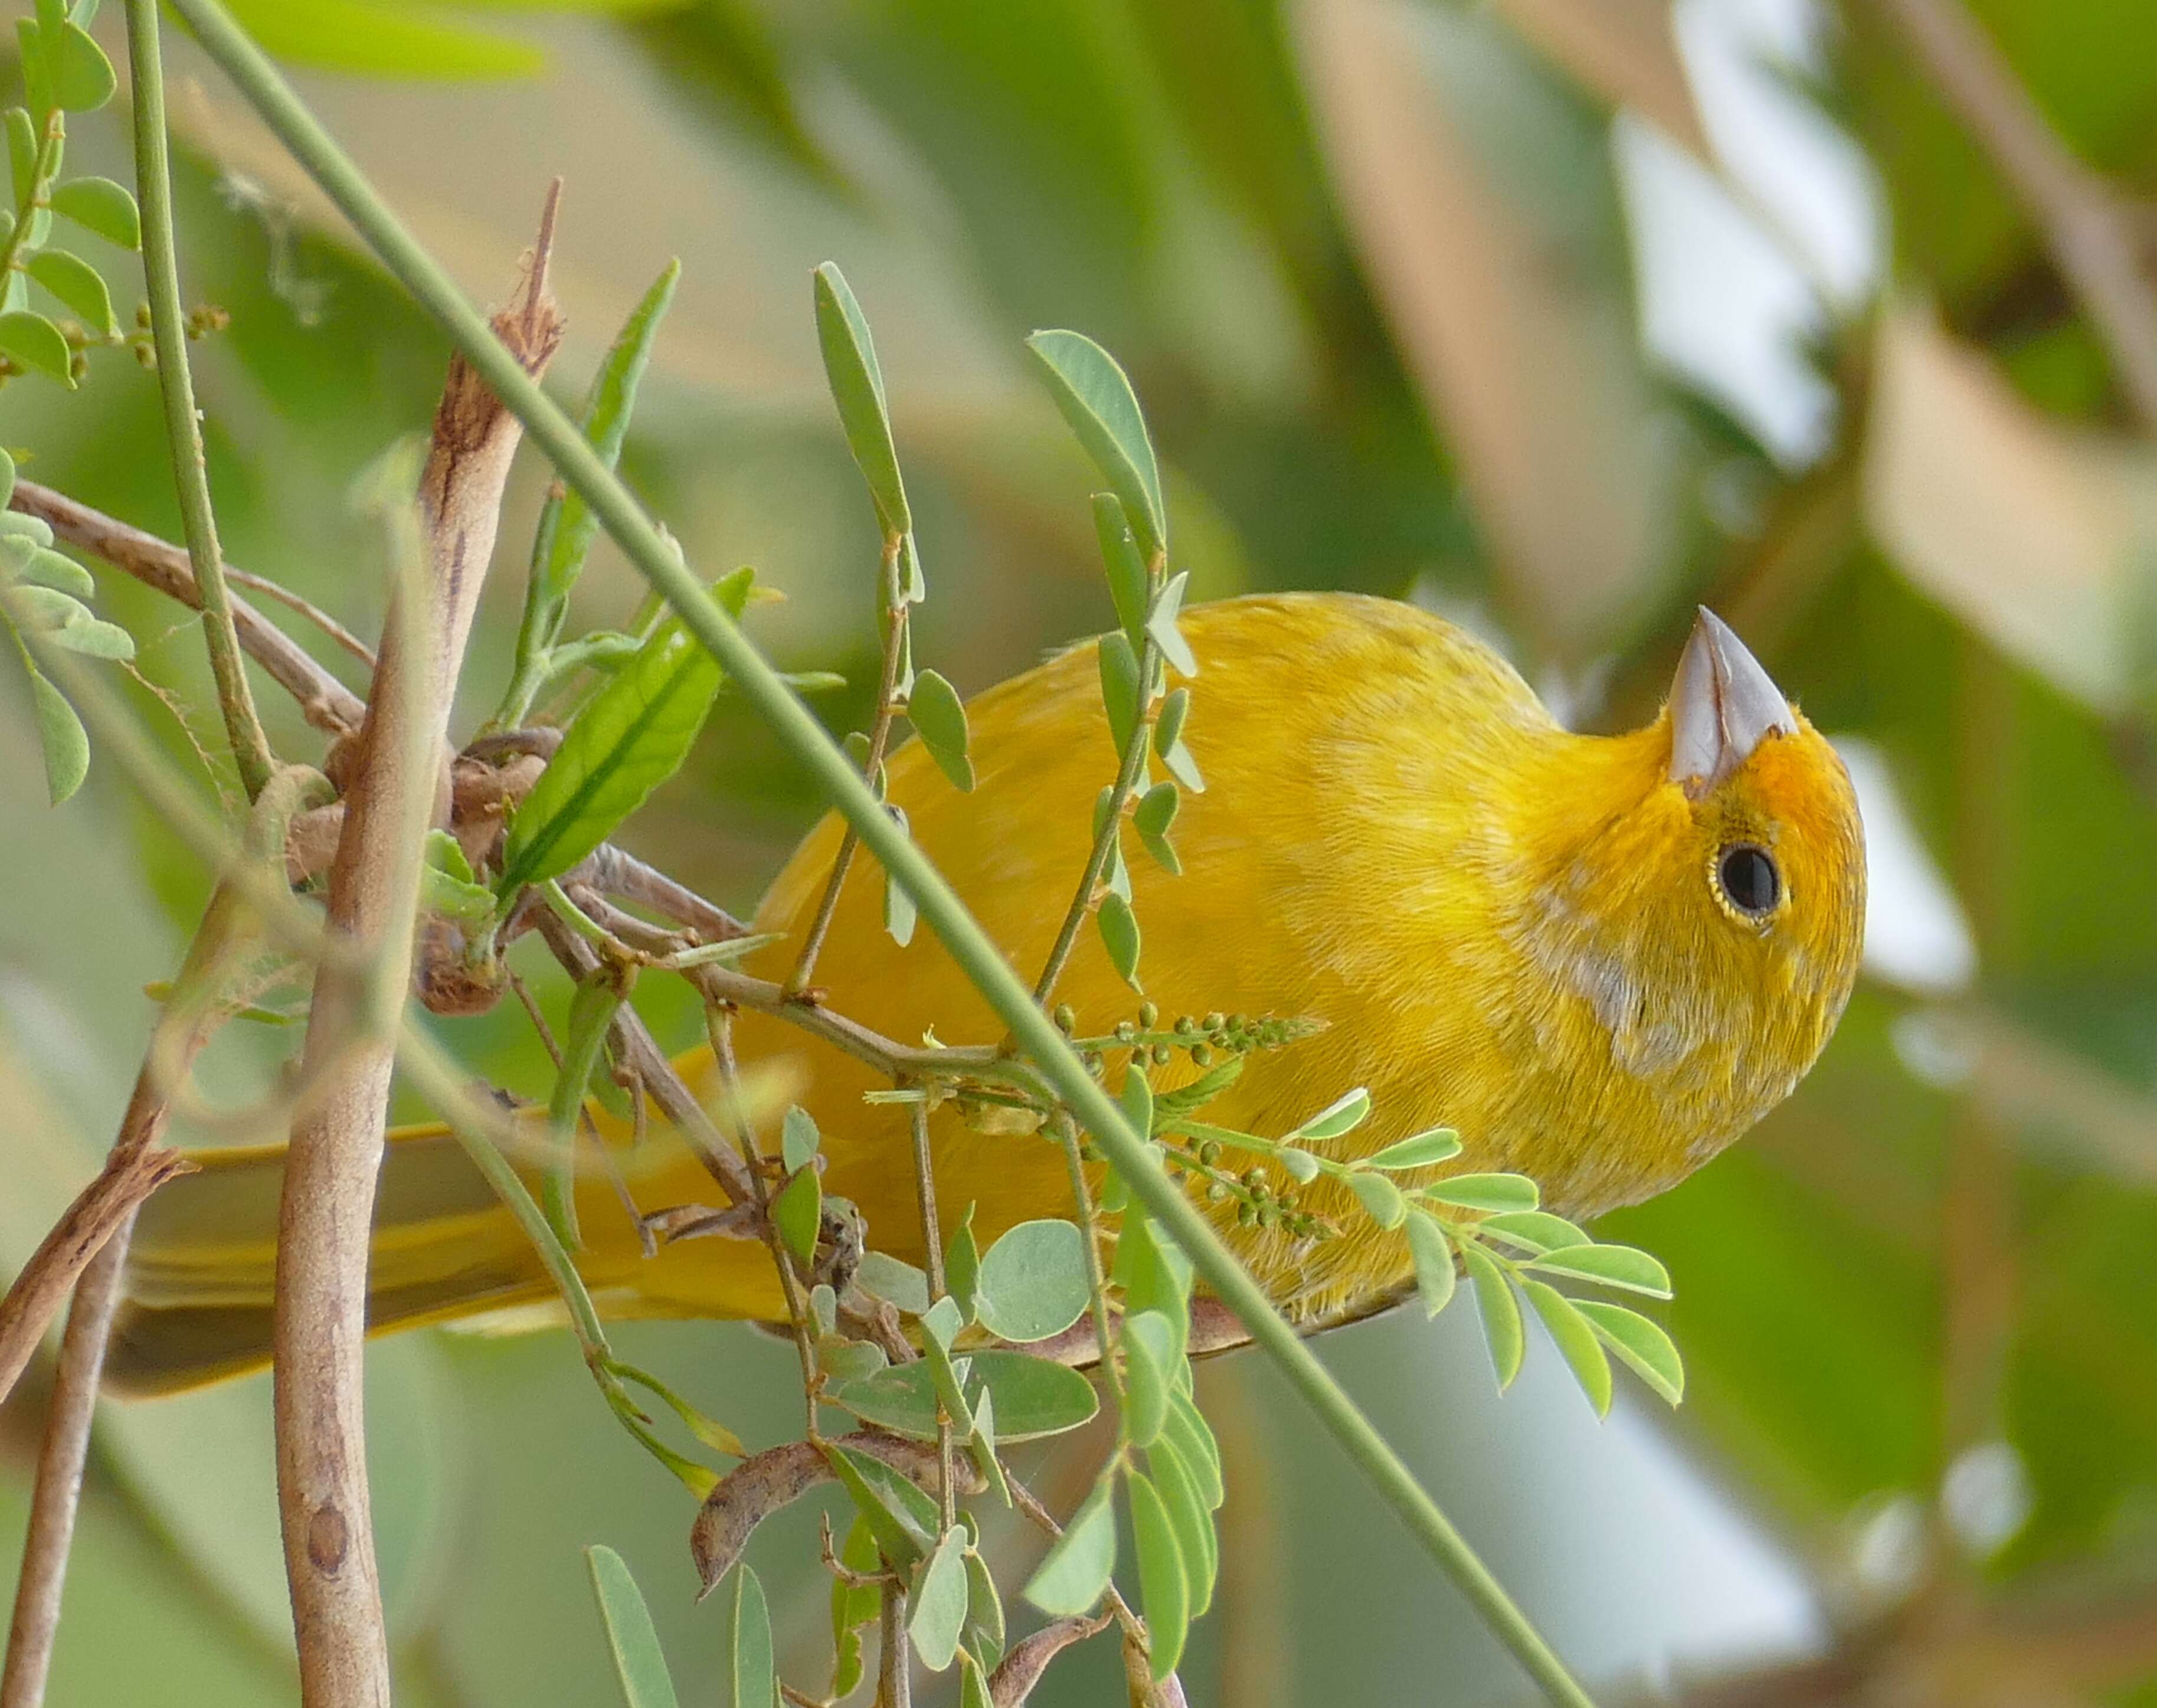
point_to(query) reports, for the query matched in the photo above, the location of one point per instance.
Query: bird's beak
(1722, 707)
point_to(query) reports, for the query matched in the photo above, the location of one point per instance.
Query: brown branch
(202, 1000)
(2090, 229)
(326, 1213)
(100, 1207)
(308, 609)
(324, 700)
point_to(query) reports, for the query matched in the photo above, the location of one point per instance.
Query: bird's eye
(1748, 879)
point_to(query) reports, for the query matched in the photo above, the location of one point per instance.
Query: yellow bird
(1601, 958)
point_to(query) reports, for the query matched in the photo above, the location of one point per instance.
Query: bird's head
(1703, 886)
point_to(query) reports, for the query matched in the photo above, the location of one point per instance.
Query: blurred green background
(1555, 316)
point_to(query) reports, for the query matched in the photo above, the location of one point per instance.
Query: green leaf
(36, 75)
(1095, 397)
(1501, 1313)
(940, 721)
(1485, 1192)
(42, 567)
(1438, 1144)
(1032, 1397)
(1611, 1265)
(1193, 1519)
(937, 1607)
(701, 1424)
(35, 342)
(1344, 1115)
(1151, 1351)
(981, 1446)
(798, 1138)
(1154, 1274)
(83, 78)
(100, 206)
(77, 285)
(66, 743)
(1164, 1579)
(852, 1608)
(1433, 1263)
(1161, 625)
(962, 1269)
(1120, 688)
(640, 1666)
(42, 610)
(567, 526)
(1532, 1230)
(7, 480)
(973, 1683)
(984, 1633)
(1193, 1436)
(632, 738)
(1168, 726)
(1383, 1201)
(94, 638)
(1127, 570)
(798, 1212)
(823, 1308)
(850, 365)
(844, 1361)
(1156, 813)
(1032, 1282)
(904, 1521)
(900, 915)
(1574, 1337)
(1641, 1344)
(22, 154)
(1120, 935)
(1134, 1097)
(748, 1675)
(887, 1277)
(1075, 1570)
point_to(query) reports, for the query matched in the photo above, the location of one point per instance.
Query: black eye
(1749, 879)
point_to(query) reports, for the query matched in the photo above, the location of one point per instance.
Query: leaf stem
(932, 1237)
(153, 182)
(828, 765)
(1112, 822)
(895, 610)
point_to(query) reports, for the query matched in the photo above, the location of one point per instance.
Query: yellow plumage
(1515, 931)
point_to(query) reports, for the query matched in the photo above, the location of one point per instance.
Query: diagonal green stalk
(574, 459)
(153, 183)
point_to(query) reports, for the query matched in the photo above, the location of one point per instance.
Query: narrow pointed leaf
(1150, 1354)
(1191, 1518)
(1120, 935)
(1193, 1436)
(797, 1211)
(1095, 397)
(1641, 1344)
(1575, 1341)
(1502, 1329)
(1031, 1398)
(1119, 688)
(640, 1666)
(1164, 1578)
(632, 738)
(1161, 625)
(1484, 1191)
(798, 1138)
(749, 1675)
(1532, 1230)
(857, 382)
(903, 1520)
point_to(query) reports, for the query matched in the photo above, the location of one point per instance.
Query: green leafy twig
(963, 937)
(235, 699)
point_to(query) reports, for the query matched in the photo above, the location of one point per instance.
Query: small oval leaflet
(1432, 1254)
(77, 285)
(1119, 688)
(1531, 1229)
(1438, 1144)
(857, 382)
(1032, 1282)
(748, 1674)
(1502, 1329)
(1164, 1579)
(1344, 1115)
(1381, 1199)
(1119, 553)
(1073, 1574)
(1485, 1192)
(1094, 396)
(1120, 935)
(1032, 1397)
(938, 1605)
(939, 719)
(1575, 1339)
(1640, 1345)
(36, 343)
(1613, 1265)
(98, 205)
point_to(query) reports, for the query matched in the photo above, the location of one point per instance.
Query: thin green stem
(932, 1240)
(1097, 1282)
(168, 328)
(892, 598)
(41, 183)
(1112, 822)
(828, 764)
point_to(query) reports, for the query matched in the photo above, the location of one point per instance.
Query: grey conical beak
(1722, 707)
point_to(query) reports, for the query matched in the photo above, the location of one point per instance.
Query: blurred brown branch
(2092, 230)
(326, 1213)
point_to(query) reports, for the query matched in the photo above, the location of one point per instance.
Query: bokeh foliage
(1284, 219)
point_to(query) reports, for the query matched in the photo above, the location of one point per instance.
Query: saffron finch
(1600, 958)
